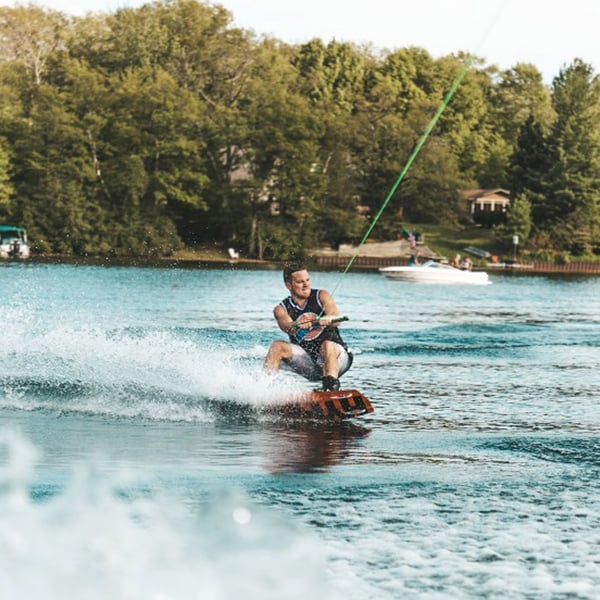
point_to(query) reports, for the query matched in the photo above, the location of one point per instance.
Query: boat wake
(108, 533)
(178, 375)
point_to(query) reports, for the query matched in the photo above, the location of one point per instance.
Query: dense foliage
(143, 130)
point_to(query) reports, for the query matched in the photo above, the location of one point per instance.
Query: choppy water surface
(135, 462)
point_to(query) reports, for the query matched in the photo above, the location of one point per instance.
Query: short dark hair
(290, 269)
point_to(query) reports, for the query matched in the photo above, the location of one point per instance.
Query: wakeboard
(338, 405)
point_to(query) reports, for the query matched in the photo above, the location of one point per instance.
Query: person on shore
(314, 349)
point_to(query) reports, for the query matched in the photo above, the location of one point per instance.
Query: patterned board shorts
(303, 364)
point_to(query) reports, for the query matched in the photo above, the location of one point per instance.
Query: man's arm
(283, 319)
(329, 308)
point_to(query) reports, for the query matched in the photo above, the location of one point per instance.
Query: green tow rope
(409, 162)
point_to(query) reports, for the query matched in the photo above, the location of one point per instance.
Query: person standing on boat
(315, 348)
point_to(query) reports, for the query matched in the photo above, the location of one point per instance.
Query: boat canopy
(11, 232)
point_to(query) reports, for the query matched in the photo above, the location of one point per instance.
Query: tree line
(149, 129)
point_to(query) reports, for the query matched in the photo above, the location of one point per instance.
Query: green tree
(30, 35)
(529, 166)
(518, 221)
(573, 209)
(280, 149)
(6, 188)
(466, 124)
(390, 131)
(519, 95)
(330, 75)
(151, 161)
(51, 175)
(332, 79)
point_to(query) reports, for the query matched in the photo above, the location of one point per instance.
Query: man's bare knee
(278, 351)
(330, 349)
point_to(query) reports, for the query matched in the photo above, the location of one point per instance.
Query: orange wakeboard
(341, 404)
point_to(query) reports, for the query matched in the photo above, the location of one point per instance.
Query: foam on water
(94, 540)
(153, 374)
(433, 533)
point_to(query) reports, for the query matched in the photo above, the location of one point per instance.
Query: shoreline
(328, 261)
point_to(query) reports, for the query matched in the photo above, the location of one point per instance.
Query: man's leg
(278, 351)
(330, 351)
(294, 358)
(331, 354)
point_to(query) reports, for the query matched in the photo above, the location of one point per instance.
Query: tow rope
(458, 79)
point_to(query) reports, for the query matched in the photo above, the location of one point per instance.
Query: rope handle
(312, 332)
(315, 323)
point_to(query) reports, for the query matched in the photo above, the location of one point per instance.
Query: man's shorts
(303, 364)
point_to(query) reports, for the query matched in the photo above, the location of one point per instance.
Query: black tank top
(313, 305)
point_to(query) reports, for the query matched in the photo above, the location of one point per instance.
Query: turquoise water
(135, 462)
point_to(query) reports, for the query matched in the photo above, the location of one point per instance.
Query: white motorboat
(435, 272)
(13, 242)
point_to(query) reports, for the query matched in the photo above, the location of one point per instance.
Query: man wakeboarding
(310, 318)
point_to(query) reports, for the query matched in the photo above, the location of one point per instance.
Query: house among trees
(487, 207)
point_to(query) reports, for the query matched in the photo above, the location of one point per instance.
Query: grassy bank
(445, 240)
(448, 240)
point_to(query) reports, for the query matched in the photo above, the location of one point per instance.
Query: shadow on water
(293, 444)
(294, 447)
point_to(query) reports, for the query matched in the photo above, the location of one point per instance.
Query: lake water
(135, 462)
